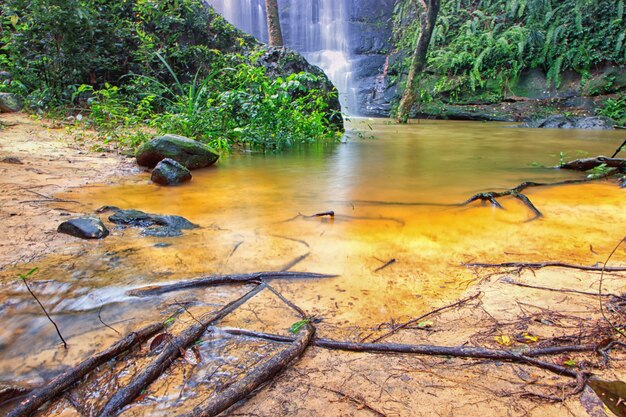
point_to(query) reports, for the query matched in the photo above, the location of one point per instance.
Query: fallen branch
(430, 350)
(253, 278)
(61, 383)
(423, 316)
(590, 163)
(261, 374)
(539, 265)
(170, 353)
(618, 149)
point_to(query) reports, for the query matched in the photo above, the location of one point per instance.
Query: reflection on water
(248, 208)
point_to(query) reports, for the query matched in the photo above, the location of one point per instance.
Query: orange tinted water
(248, 206)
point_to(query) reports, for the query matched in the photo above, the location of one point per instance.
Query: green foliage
(615, 108)
(170, 66)
(295, 328)
(486, 44)
(239, 105)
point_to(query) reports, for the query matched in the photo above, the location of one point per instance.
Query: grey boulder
(170, 172)
(10, 103)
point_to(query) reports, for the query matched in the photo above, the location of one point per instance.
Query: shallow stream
(393, 197)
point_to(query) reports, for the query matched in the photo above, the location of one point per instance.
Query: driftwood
(68, 378)
(253, 278)
(171, 352)
(432, 350)
(539, 265)
(261, 374)
(589, 163)
(386, 264)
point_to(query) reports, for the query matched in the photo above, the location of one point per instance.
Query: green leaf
(29, 273)
(612, 394)
(169, 321)
(295, 328)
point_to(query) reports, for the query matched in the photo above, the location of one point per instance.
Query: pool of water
(393, 198)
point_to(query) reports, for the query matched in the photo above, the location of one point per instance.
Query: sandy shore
(38, 159)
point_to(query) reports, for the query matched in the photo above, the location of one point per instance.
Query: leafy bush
(488, 43)
(615, 108)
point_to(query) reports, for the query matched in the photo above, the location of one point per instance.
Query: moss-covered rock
(187, 152)
(10, 103)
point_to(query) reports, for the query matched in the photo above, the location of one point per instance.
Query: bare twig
(618, 330)
(388, 263)
(539, 265)
(23, 277)
(538, 287)
(423, 316)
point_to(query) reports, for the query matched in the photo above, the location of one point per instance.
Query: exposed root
(170, 352)
(68, 378)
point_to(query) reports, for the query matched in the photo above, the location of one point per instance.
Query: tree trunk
(273, 23)
(428, 19)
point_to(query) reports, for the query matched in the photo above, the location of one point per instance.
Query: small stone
(84, 228)
(170, 172)
(10, 103)
(11, 160)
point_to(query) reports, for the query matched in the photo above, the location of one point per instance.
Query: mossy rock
(10, 103)
(187, 152)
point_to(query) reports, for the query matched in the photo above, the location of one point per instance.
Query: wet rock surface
(185, 151)
(136, 218)
(564, 122)
(170, 172)
(87, 227)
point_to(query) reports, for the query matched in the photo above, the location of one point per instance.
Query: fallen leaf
(504, 340)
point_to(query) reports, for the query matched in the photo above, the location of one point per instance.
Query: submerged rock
(10, 103)
(189, 153)
(154, 225)
(170, 172)
(564, 122)
(87, 227)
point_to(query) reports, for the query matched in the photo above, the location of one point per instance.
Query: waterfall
(315, 28)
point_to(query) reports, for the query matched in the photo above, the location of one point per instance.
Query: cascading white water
(315, 28)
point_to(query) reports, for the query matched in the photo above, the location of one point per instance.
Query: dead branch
(427, 350)
(539, 265)
(68, 378)
(423, 316)
(618, 149)
(590, 163)
(252, 278)
(261, 374)
(170, 352)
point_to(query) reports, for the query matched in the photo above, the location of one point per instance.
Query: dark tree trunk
(428, 19)
(273, 23)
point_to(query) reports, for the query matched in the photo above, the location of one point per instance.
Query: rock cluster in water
(172, 156)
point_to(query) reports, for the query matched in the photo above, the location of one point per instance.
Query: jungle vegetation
(139, 67)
